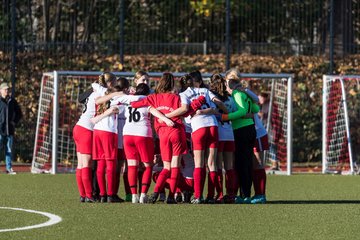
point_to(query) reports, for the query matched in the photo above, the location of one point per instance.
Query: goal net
(59, 110)
(341, 102)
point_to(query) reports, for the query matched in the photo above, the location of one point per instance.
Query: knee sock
(146, 180)
(212, 177)
(219, 184)
(86, 175)
(197, 182)
(100, 173)
(160, 183)
(132, 178)
(79, 182)
(259, 181)
(173, 180)
(230, 182)
(110, 176)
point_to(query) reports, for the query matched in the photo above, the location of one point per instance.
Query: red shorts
(83, 138)
(172, 142)
(105, 145)
(121, 154)
(139, 148)
(205, 138)
(261, 144)
(226, 146)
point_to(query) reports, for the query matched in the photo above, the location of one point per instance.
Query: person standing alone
(10, 115)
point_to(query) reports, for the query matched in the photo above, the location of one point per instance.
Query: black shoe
(96, 197)
(113, 199)
(187, 196)
(179, 198)
(209, 201)
(90, 200)
(170, 200)
(153, 197)
(118, 198)
(82, 199)
(103, 199)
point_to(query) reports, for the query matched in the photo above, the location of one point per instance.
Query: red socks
(212, 178)
(100, 173)
(173, 180)
(146, 180)
(86, 176)
(132, 178)
(197, 182)
(219, 184)
(110, 176)
(259, 181)
(80, 183)
(160, 183)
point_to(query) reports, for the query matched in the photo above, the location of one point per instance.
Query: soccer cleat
(240, 200)
(196, 201)
(119, 199)
(113, 199)
(209, 201)
(187, 196)
(171, 200)
(128, 197)
(143, 198)
(103, 199)
(90, 200)
(258, 199)
(179, 197)
(153, 197)
(82, 199)
(227, 199)
(135, 198)
(162, 197)
(10, 171)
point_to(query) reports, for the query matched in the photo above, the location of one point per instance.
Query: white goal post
(341, 102)
(59, 110)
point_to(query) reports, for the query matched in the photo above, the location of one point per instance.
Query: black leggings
(244, 143)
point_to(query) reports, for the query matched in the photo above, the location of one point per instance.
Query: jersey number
(134, 115)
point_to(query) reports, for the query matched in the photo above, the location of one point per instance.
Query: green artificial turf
(299, 207)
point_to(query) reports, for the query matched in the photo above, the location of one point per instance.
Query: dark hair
(142, 89)
(185, 82)
(217, 86)
(196, 77)
(121, 84)
(166, 83)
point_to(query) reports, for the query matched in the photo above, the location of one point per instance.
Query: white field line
(53, 219)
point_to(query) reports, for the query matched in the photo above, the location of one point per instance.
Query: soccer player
(204, 136)
(244, 133)
(83, 134)
(105, 145)
(138, 141)
(226, 146)
(172, 139)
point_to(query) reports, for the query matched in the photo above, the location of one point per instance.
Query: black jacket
(10, 115)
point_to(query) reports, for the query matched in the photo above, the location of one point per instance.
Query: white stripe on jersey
(89, 109)
(138, 121)
(201, 121)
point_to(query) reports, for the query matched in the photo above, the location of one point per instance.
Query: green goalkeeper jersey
(244, 105)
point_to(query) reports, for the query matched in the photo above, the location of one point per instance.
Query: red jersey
(164, 103)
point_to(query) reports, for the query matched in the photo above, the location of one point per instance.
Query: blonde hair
(104, 79)
(233, 74)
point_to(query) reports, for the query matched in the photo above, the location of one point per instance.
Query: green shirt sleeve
(244, 105)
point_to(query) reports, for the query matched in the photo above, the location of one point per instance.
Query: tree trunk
(46, 20)
(87, 25)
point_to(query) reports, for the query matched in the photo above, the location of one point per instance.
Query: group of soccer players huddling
(178, 135)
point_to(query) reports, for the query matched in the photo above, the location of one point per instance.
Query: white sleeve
(211, 95)
(98, 88)
(184, 99)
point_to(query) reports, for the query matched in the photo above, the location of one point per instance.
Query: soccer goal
(341, 111)
(59, 110)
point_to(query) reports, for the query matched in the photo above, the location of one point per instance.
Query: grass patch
(299, 207)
